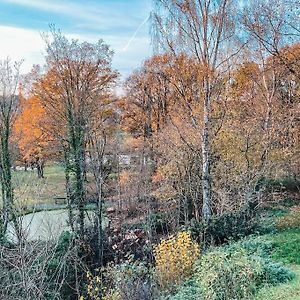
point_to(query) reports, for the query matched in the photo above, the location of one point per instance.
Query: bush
(273, 272)
(266, 219)
(276, 273)
(62, 258)
(189, 291)
(286, 184)
(253, 246)
(227, 227)
(226, 276)
(234, 272)
(174, 259)
(289, 202)
(132, 280)
(129, 280)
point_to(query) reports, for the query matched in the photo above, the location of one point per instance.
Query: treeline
(217, 112)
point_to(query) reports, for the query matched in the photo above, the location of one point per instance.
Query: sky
(122, 24)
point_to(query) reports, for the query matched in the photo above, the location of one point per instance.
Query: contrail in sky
(135, 33)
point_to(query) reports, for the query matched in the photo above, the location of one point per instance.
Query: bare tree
(38, 270)
(273, 24)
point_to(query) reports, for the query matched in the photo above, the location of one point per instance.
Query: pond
(45, 225)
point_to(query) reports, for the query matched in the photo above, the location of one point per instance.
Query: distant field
(30, 190)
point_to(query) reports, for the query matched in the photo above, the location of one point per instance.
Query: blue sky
(120, 23)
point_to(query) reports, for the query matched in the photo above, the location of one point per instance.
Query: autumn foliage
(34, 142)
(175, 258)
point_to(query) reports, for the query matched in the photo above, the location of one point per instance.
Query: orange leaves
(33, 141)
(124, 178)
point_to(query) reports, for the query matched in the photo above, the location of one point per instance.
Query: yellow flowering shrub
(175, 258)
(95, 289)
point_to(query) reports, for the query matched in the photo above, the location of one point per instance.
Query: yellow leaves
(94, 286)
(96, 290)
(175, 258)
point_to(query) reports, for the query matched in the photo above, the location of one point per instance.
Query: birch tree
(203, 29)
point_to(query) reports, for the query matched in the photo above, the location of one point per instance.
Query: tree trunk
(78, 149)
(206, 180)
(100, 222)
(40, 168)
(77, 152)
(69, 190)
(7, 189)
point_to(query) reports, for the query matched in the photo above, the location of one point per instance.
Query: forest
(184, 185)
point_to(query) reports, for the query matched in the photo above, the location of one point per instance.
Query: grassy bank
(287, 251)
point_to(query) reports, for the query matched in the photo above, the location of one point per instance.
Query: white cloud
(127, 31)
(44, 5)
(67, 8)
(19, 43)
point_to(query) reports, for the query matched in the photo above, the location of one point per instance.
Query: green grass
(30, 190)
(287, 246)
(285, 291)
(286, 250)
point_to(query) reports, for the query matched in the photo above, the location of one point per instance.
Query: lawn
(286, 250)
(30, 190)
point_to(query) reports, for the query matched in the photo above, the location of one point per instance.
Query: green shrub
(289, 202)
(259, 249)
(227, 227)
(275, 273)
(281, 185)
(234, 272)
(61, 248)
(266, 219)
(227, 276)
(189, 291)
(63, 257)
(253, 245)
(157, 223)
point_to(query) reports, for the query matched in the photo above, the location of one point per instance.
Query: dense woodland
(191, 174)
